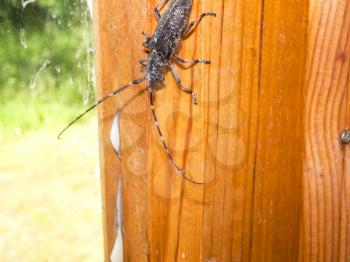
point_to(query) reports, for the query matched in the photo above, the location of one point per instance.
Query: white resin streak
(114, 134)
(117, 252)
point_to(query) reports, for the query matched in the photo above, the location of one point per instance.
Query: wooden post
(263, 137)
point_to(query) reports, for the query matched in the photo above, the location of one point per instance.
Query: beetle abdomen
(155, 70)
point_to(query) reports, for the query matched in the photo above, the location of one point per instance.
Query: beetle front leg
(143, 63)
(188, 30)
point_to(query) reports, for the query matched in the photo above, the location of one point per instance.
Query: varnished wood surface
(118, 48)
(326, 228)
(263, 137)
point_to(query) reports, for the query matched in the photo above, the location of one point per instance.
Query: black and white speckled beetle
(162, 48)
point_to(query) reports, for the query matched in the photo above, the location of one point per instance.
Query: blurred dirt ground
(50, 204)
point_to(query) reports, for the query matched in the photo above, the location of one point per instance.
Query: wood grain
(325, 234)
(278, 165)
(263, 137)
(116, 34)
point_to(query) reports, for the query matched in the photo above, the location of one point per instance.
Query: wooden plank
(118, 48)
(325, 235)
(244, 138)
(217, 137)
(278, 165)
(108, 165)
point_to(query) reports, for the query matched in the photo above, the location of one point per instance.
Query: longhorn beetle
(162, 48)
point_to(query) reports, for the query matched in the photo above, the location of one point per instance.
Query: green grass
(22, 111)
(50, 190)
(50, 198)
(55, 31)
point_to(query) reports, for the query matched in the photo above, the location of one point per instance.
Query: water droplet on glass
(90, 6)
(27, 2)
(86, 97)
(58, 68)
(45, 65)
(71, 82)
(23, 38)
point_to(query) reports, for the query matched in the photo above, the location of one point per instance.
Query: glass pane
(50, 192)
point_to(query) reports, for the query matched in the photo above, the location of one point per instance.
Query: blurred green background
(50, 192)
(53, 33)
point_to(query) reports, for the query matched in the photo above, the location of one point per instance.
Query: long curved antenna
(178, 168)
(117, 91)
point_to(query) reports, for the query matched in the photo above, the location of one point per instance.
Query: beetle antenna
(115, 92)
(166, 148)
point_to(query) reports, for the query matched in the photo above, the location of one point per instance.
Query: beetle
(162, 48)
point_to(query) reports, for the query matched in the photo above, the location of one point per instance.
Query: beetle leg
(147, 38)
(145, 35)
(194, 61)
(158, 15)
(158, 7)
(188, 30)
(143, 61)
(181, 85)
(143, 64)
